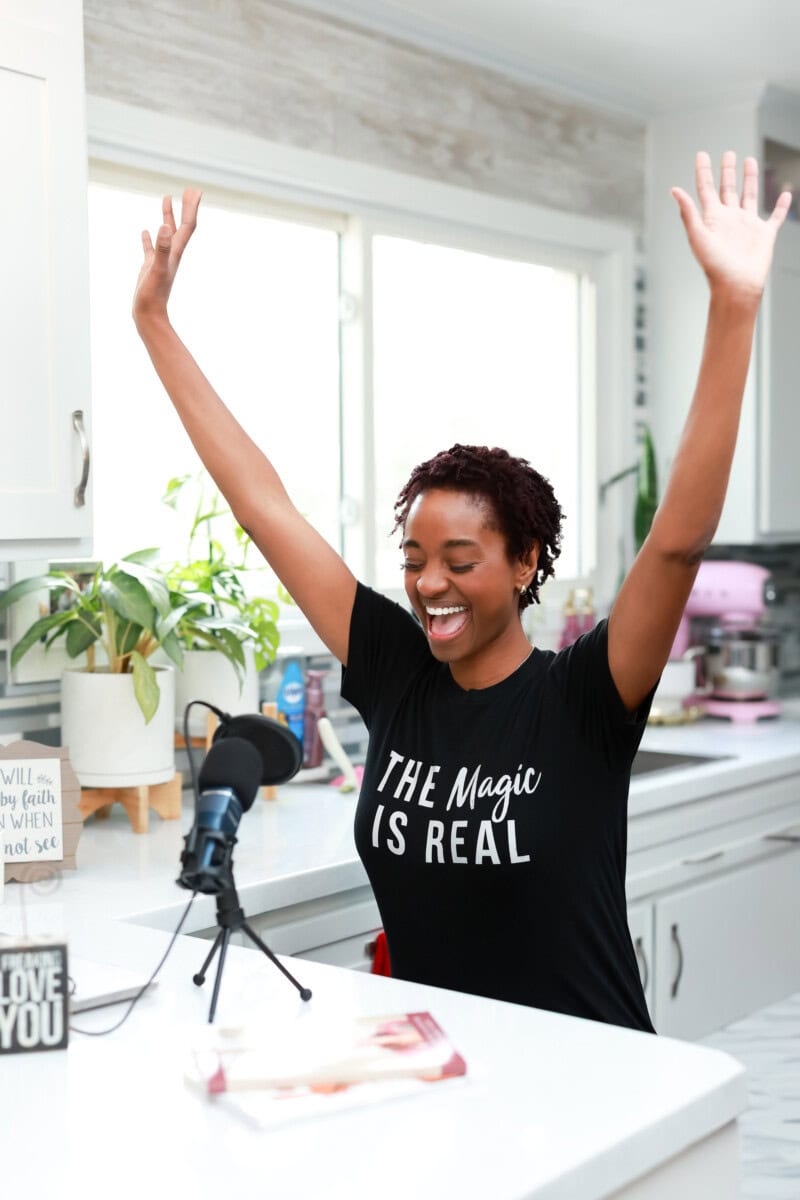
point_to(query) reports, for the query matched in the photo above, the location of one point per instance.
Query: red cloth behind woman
(380, 963)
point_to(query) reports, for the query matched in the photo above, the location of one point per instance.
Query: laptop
(95, 984)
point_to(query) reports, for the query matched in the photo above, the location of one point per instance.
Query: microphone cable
(135, 999)
(193, 774)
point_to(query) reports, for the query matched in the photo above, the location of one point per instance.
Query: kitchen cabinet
(727, 947)
(339, 930)
(763, 501)
(45, 378)
(721, 879)
(640, 923)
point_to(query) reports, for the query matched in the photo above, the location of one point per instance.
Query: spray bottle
(315, 708)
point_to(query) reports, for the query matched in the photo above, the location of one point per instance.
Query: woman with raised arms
(493, 811)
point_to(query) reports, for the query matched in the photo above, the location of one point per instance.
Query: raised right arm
(309, 568)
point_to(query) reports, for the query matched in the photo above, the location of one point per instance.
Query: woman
(492, 815)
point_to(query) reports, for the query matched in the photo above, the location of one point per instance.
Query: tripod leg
(224, 936)
(305, 993)
(200, 977)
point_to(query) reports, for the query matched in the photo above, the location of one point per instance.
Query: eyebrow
(450, 544)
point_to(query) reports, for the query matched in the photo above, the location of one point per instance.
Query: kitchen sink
(647, 761)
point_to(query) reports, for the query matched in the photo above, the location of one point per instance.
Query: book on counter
(275, 1075)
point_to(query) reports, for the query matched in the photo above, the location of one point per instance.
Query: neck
(471, 675)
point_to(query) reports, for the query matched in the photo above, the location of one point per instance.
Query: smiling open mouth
(446, 622)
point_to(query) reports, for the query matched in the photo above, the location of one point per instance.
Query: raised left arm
(734, 247)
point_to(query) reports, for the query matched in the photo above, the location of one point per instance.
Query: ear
(527, 565)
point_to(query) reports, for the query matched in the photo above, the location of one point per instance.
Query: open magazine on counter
(275, 1075)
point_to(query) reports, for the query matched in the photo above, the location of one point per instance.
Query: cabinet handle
(80, 490)
(370, 948)
(641, 955)
(702, 858)
(783, 836)
(679, 948)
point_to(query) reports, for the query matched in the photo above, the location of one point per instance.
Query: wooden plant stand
(163, 798)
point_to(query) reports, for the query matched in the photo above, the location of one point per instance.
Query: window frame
(362, 201)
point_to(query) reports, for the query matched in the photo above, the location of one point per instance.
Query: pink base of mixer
(744, 712)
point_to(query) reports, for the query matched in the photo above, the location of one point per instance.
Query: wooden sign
(33, 996)
(40, 822)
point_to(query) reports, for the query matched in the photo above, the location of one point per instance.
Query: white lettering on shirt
(434, 839)
(457, 841)
(408, 780)
(398, 818)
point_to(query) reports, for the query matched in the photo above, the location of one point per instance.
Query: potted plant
(116, 710)
(222, 616)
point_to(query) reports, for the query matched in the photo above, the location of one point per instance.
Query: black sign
(33, 997)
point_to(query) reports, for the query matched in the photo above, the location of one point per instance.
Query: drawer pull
(80, 490)
(677, 942)
(370, 948)
(783, 836)
(702, 858)
(640, 954)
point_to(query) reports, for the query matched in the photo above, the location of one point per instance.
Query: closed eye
(456, 568)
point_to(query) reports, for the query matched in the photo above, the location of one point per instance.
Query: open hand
(730, 241)
(162, 260)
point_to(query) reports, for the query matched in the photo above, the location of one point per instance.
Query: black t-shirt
(492, 823)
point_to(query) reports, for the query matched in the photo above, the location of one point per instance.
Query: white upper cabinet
(45, 377)
(763, 502)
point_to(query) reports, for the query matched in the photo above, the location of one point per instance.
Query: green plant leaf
(646, 489)
(174, 488)
(170, 645)
(145, 686)
(127, 637)
(37, 583)
(150, 555)
(36, 632)
(80, 637)
(153, 582)
(126, 596)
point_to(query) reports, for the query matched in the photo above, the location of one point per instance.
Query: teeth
(443, 612)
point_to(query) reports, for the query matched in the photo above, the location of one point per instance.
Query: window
(464, 317)
(478, 349)
(256, 301)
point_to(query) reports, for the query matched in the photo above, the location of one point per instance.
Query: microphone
(229, 781)
(280, 751)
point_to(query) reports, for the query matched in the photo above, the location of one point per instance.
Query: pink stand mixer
(722, 625)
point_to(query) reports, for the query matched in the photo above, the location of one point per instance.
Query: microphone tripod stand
(231, 918)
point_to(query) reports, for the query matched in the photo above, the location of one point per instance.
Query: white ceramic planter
(105, 732)
(208, 675)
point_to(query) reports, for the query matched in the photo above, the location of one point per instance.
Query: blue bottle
(291, 698)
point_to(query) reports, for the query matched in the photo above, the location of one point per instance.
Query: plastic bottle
(587, 617)
(315, 708)
(292, 698)
(571, 629)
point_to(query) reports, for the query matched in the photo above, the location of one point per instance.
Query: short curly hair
(522, 501)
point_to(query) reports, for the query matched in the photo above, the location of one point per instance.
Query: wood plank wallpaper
(299, 78)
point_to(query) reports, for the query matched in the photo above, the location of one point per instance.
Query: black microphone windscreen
(234, 764)
(280, 751)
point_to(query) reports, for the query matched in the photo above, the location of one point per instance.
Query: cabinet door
(727, 947)
(640, 923)
(44, 301)
(779, 411)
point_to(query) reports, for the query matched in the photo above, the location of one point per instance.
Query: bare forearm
(234, 461)
(689, 513)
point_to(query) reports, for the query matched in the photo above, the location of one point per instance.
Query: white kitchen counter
(300, 847)
(552, 1107)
